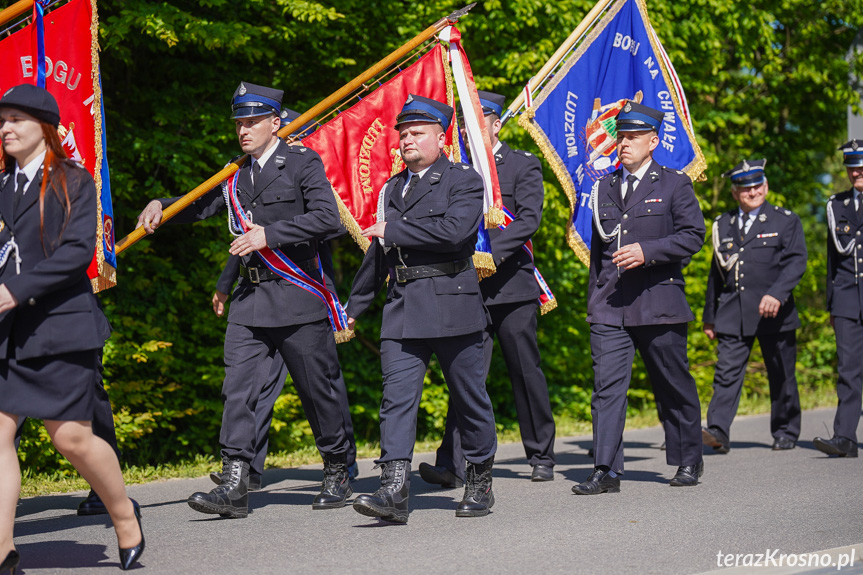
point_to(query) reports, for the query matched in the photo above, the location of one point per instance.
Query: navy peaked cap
(33, 100)
(421, 109)
(747, 174)
(635, 117)
(491, 103)
(253, 100)
(852, 151)
(287, 116)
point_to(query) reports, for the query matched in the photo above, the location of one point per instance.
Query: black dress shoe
(716, 438)
(783, 444)
(130, 556)
(439, 475)
(687, 475)
(600, 481)
(837, 446)
(10, 563)
(93, 505)
(542, 473)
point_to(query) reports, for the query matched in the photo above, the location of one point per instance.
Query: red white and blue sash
(547, 301)
(240, 222)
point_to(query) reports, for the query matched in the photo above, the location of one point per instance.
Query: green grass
(43, 484)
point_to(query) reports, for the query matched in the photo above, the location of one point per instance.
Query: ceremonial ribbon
(478, 138)
(547, 301)
(281, 265)
(38, 16)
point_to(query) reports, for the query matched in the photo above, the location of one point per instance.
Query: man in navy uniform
(291, 205)
(424, 241)
(646, 224)
(845, 302)
(511, 295)
(754, 300)
(279, 371)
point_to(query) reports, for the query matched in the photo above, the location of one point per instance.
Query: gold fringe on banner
(484, 264)
(557, 166)
(698, 165)
(106, 275)
(351, 224)
(548, 306)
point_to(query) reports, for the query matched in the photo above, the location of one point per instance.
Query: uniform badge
(787, 212)
(762, 218)
(628, 107)
(746, 166)
(410, 99)
(730, 245)
(854, 145)
(847, 229)
(731, 221)
(242, 91)
(847, 201)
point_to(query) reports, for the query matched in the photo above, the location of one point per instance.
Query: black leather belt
(257, 275)
(405, 274)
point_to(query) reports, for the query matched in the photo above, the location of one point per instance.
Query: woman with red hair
(49, 337)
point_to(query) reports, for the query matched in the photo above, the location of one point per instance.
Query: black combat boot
(478, 496)
(390, 502)
(231, 497)
(336, 486)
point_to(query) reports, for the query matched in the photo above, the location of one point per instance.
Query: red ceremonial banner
(360, 145)
(72, 77)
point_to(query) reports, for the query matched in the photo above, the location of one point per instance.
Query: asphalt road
(751, 501)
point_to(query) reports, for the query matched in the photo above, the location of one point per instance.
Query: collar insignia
(762, 218)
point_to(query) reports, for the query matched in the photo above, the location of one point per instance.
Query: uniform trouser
(780, 357)
(309, 352)
(515, 327)
(267, 401)
(663, 349)
(849, 352)
(103, 417)
(404, 363)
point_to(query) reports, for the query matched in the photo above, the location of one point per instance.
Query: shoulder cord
(843, 250)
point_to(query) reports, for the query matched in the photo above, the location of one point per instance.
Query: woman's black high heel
(129, 557)
(10, 563)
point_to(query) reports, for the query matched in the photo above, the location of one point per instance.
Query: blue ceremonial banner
(573, 117)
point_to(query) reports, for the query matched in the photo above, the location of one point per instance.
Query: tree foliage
(762, 81)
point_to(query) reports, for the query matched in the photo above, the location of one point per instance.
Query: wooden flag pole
(558, 55)
(304, 118)
(15, 10)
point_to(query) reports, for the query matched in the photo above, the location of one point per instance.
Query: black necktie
(19, 189)
(860, 206)
(411, 185)
(256, 175)
(630, 187)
